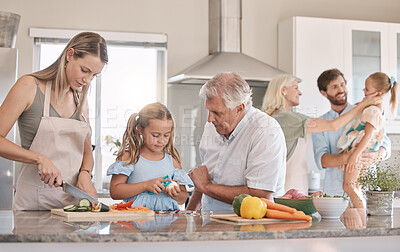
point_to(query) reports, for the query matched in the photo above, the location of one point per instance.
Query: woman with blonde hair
(281, 97)
(52, 112)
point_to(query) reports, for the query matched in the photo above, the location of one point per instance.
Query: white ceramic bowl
(330, 207)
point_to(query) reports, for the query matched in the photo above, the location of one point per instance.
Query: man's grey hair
(232, 88)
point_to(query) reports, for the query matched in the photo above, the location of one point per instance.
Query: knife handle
(55, 180)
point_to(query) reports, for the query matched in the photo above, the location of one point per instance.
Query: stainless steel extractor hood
(225, 50)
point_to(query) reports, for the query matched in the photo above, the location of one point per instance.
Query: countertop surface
(42, 226)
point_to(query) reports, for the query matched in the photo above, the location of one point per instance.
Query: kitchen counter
(41, 226)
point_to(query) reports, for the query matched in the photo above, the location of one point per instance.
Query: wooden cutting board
(103, 216)
(233, 218)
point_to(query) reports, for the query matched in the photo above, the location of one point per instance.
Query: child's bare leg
(351, 187)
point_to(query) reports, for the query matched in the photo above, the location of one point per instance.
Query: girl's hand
(352, 163)
(156, 185)
(173, 190)
(49, 172)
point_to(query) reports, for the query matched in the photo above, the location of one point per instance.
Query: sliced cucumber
(70, 208)
(84, 203)
(82, 209)
(103, 208)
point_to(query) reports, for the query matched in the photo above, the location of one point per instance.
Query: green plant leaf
(384, 177)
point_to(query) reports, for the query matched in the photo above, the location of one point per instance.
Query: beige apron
(296, 168)
(62, 141)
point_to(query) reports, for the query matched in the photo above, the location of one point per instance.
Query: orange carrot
(276, 214)
(138, 209)
(276, 206)
(287, 226)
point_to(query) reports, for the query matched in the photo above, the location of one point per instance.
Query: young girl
(147, 156)
(365, 134)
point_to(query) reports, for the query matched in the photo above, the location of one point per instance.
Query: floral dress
(145, 170)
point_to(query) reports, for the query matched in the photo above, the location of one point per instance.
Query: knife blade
(74, 191)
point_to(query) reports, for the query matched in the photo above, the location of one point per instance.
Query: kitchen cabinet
(308, 46)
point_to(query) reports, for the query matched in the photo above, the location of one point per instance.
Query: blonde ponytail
(393, 97)
(131, 141)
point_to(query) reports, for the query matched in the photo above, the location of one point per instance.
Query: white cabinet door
(365, 52)
(307, 47)
(393, 124)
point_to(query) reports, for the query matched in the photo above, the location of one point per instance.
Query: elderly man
(242, 149)
(332, 85)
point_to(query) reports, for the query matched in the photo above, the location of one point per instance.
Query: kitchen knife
(74, 191)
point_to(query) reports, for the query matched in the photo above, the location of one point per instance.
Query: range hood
(225, 50)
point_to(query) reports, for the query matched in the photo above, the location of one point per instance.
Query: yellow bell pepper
(253, 208)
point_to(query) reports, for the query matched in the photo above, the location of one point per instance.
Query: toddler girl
(147, 161)
(365, 134)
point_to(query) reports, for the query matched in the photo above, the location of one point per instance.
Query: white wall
(184, 21)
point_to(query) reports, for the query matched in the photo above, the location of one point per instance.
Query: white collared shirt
(253, 156)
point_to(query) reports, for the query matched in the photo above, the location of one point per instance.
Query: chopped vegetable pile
(85, 205)
(127, 206)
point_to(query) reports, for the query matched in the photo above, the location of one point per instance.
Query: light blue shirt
(326, 142)
(253, 156)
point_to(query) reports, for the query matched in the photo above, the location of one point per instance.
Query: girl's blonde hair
(382, 83)
(132, 142)
(273, 98)
(83, 43)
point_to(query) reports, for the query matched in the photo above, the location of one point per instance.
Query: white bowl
(330, 207)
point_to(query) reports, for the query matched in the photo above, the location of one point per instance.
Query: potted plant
(379, 184)
(114, 142)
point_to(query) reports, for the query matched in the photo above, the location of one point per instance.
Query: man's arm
(329, 160)
(227, 194)
(333, 160)
(321, 149)
(195, 200)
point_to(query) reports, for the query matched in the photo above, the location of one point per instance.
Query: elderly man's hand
(200, 177)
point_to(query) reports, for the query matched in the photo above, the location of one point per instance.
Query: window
(134, 76)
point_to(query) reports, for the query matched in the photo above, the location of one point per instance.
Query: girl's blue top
(145, 170)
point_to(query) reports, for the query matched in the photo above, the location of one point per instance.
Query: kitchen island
(28, 229)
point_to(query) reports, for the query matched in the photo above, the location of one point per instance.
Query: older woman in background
(282, 95)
